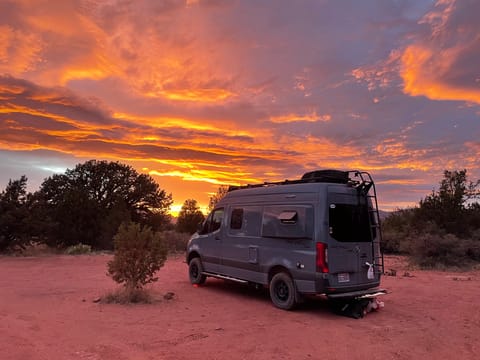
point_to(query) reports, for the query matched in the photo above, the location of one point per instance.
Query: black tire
(282, 291)
(195, 269)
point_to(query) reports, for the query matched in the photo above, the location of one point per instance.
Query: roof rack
(317, 176)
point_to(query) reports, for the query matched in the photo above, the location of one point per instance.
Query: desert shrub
(443, 251)
(396, 230)
(38, 249)
(175, 241)
(472, 249)
(392, 241)
(78, 249)
(127, 296)
(139, 254)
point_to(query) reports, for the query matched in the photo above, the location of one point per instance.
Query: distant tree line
(87, 205)
(443, 230)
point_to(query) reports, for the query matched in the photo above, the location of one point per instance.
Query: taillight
(322, 258)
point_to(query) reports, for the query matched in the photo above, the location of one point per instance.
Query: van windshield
(350, 223)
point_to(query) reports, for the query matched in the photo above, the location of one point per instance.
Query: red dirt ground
(47, 312)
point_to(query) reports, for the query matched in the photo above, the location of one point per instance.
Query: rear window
(349, 223)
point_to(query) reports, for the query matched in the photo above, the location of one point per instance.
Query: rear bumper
(358, 294)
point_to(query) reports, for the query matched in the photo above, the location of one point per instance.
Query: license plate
(343, 277)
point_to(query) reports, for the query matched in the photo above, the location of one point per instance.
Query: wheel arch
(191, 255)
(278, 269)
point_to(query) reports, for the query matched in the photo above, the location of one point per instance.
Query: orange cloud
(19, 50)
(442, 62)
(213, 177)
(99, 41)
(472, 155)
(198, 95)
(396, 151)
(402, 182)
(308, 117)
(422, 72)
(19, 109)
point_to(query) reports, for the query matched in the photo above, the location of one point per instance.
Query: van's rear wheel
(195, 270)
(282, 291)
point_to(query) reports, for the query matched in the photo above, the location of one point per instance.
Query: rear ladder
(365, 185)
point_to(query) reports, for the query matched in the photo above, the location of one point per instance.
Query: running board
(224, 277)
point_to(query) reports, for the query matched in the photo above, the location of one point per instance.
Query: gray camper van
(316, 235)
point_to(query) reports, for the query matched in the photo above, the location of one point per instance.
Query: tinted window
(292, 221)
(237, 218)
(349, 223)
(246, 221)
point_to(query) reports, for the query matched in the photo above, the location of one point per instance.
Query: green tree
(444, 230)
(215, 198)
(447, 206)
(88, 203)
(139, 254)
(189, 217)
(14, 226)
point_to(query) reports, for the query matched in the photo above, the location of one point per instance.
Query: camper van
(316, 235)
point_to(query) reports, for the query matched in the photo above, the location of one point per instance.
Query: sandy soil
(47, 311)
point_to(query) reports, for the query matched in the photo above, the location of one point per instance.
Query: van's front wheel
(195, 270)
(282, 291)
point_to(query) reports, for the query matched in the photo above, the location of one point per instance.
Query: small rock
(391, 272)
(97, 299)
(169, 295)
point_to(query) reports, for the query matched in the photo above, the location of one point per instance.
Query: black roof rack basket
(331, 176)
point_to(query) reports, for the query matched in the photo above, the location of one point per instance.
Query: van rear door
(350, 247)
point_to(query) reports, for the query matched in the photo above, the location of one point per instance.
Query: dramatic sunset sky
(210, 92)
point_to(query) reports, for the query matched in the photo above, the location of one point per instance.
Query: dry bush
(79, 249)
(444, 251)
(139, 254)
(128, 296)
(38, 249)
(176, 242)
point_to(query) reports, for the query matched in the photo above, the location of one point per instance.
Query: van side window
(213, 222)
(237, 218)
(292, 221)
(246, 221)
